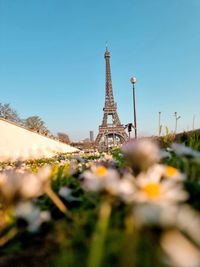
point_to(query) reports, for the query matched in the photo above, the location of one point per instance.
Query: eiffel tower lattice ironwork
(114, 130)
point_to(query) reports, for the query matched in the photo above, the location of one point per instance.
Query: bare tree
(63, 137)
(87, 144)
(8, 113)
(36, 124)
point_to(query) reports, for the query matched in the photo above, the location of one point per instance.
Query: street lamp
(159, 124)
(176, 122)
(193, 122)
(133, 81)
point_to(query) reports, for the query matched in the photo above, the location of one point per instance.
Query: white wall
(18, 142)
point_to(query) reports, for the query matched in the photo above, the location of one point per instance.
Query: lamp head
(133, 80)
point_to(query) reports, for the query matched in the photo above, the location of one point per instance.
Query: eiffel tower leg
(98, 138)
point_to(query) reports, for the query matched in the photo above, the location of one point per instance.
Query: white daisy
(152, 188)
(100, 178)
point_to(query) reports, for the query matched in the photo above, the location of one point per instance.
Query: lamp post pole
(159, 125)
(176, 120)
(133, 81)
(193, 122)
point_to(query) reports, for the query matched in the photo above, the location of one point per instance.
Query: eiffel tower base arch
(109, 137)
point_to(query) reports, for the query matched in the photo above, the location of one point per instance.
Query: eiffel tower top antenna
(109, 98)
(106, 45)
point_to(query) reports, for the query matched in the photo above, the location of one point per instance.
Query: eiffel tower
(110, 133)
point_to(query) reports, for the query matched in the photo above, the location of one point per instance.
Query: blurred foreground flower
(180, 251)
(16, 185)
(164, 154)
(141, 154)
(181, 217)
(66, 193)
(173, 173)
(32, 215)
(99, 178)
(182, 150)
(107, 157)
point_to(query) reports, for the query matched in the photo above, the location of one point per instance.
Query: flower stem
(98, 240)
(57, 201)
(8, 236)
(129, 243)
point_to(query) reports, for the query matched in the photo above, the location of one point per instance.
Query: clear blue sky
(52, 61)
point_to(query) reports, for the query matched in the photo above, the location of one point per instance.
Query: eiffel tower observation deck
(111, 131)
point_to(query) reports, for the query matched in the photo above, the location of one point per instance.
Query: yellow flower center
(101, 171)
(170, 171)
(152, 190)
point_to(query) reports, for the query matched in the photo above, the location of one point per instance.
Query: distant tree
(50, 135)
(36, 124)
(8, 113)
(87, 144)
(63, 137)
